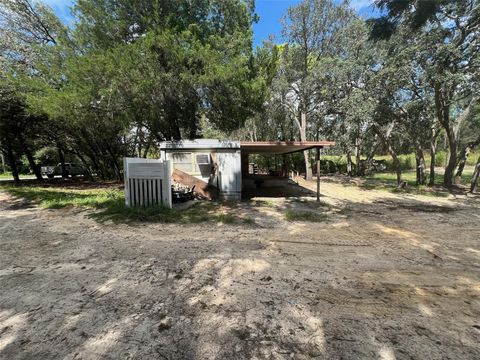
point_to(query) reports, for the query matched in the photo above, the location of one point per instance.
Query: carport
(281, 148)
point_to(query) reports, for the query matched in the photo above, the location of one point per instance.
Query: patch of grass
(225, 218)
(263, 203)
(248, 221)
(312, 203)
(309, 216)
(119, 213)
(57, 198)
(110, 205)
(8, 175)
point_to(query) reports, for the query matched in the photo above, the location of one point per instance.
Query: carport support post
(318, 174)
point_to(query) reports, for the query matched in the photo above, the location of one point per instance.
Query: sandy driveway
(387, 276)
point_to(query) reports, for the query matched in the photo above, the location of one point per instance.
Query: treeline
(124, 75)
(127, 74)
(392, 85)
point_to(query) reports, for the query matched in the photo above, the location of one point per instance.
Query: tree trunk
(31, 162)
(420, 162)
(12, 161)
(85, 164)
(306, 153)
(358, 170)
(433, 153)
(62, 162)
(4, 169)
(462, 160)
(391, 151)
(443, 115)
(398, 166)
(452, 157)
(349, 163)
(96, 166)
(116, 167)
(475, 177)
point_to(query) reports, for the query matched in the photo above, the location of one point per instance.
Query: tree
(130, 73)
(449, 33)
(312, 30)
(475, 177)
(349, 103)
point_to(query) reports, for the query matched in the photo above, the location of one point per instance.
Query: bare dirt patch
(379, 279)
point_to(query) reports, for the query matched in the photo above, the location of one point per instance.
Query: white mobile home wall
(225, 154)
(229, 174)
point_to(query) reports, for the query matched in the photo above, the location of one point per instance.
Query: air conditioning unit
(202, 159)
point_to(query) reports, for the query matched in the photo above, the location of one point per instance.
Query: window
(202, 159)
(192, 163)
(182, 161)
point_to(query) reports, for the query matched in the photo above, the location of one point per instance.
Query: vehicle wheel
(50, 176)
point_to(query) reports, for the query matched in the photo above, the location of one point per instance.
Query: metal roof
(199, 144)
(280, 147)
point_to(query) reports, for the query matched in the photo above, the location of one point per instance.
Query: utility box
(147, 182)
(216, 162)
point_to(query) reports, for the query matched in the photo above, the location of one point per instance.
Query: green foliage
(128, 74)
(440, 158)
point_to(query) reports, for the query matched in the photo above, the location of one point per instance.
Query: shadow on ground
(382, 279)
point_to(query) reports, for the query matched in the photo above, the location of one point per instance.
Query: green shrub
(440, 158)
(327, 166)
(389, 164)
(407, 162)
(473, 157)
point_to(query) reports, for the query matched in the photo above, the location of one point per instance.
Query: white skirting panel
(147, 182)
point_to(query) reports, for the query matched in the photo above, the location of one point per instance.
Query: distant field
(8, 176)
(410, 177)
(407, 160)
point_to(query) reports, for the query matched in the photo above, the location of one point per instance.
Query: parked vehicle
(71, 169)
(379, 165)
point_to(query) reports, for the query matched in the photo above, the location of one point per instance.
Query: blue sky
(269, 11)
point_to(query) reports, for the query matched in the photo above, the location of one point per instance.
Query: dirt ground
(383, 276)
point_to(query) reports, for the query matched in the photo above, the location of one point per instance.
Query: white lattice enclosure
(147, 182)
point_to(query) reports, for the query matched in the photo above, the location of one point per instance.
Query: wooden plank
(202, 188)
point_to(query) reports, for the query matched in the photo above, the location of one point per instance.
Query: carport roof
(280, 147)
